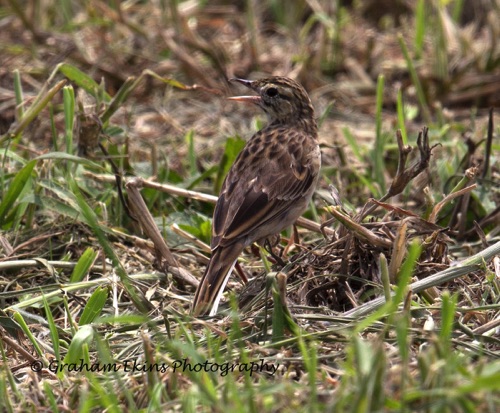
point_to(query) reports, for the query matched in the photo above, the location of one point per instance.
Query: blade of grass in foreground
(403, 279)
(78, 348)
(8, 383)
(464, 267)
(49, 394)
(54, 335)
(20, 320)
(139, 301)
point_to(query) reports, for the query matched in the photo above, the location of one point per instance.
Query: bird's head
(284, 100)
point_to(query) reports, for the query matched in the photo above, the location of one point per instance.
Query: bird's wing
(273, 172)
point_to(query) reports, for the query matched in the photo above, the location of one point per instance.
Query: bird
(269, 184)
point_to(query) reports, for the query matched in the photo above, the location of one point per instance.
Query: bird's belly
(277, 224)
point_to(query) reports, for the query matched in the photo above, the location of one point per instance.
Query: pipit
(269, 185)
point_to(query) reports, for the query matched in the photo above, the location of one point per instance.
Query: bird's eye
(272, 92)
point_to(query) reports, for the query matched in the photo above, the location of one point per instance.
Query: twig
(200, 196)
(448, 198)
(141, 213)
(13, 264)
(191, 238)
(405, 175)
(358, 230)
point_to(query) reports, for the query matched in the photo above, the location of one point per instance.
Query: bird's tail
(214, 280)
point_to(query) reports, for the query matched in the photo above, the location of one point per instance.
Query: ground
(389, 296)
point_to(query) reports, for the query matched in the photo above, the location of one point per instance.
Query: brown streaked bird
(269, 185)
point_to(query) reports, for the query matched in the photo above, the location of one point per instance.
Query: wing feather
(256, 194)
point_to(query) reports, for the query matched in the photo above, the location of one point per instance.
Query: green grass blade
(416, 81)
(384, 276)
(20, 320)
(401, 117)
(378, 154)
(94, 305)
(448, 306)
(54, 335)
(406, 271)
(193, 170)
(62, 156)
(278, 317)
(123, 93)
(404, 277)
(7, 379)
(33, 111)
(353, 143)
(419, 28)
(82, 80)
(9, 325)
(8, 154)
(88, 213)
(18, 90)
(69, 116)
(15, 189)
(49, 394)
(83, 265)
(458, 6)
(231, 151)
(76, 351)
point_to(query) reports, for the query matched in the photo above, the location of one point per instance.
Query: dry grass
(392, 294)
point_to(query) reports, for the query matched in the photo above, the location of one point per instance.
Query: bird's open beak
(249, 99)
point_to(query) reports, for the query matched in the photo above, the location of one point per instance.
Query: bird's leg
(241, 273)
(269, 248)
(292, 241)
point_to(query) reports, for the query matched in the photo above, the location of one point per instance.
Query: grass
(391, 309)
